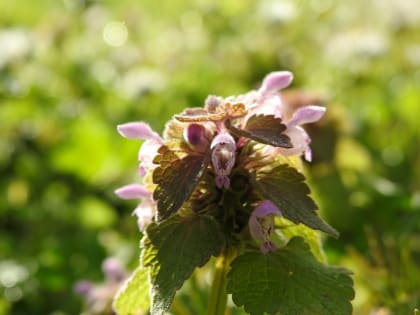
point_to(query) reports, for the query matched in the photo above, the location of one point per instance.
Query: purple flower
(113, 270)
(98, 297)
(146, 209)
(147, 152)
(299, 138)
(261, 224)
(138, 130)
(269, 102)
(275, 81)
(223, 158)
(83, 287)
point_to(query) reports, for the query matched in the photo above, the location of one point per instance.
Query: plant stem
(218, 296)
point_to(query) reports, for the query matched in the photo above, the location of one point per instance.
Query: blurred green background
(71, 70)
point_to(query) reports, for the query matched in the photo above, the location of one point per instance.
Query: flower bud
(194, 134)
(212, 102)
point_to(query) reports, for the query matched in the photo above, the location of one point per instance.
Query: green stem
(218, 296)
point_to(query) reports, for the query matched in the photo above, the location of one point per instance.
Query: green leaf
(312, 237)
(289, 281)
(285, 186)
(133, 296)
(265, 129)
(173, 249)
(176, 178)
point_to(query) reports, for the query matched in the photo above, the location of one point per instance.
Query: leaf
(133, 296)
(312, 237)
(173, 249)
(265, 129)
(290, 281)
(285, 186)
(176, 178)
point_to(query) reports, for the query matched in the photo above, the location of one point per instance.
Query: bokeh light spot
(115, 34)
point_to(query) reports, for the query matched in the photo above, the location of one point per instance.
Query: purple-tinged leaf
(266, 129)
(176, 177)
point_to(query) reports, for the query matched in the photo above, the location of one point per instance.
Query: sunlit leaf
(288, 230)
(133, 296)
(290, 281)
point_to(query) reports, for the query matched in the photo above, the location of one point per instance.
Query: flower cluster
(229, 159)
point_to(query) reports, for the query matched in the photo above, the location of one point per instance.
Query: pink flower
(298, 136)
(146, 209)
(148, 151)
(98, 296)
(270, 103)
(223, 158)
(113, 270)
(261, 224)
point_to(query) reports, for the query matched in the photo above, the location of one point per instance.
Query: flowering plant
(226, 180)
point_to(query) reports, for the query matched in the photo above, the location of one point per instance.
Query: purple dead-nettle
(227, 144)
(226, 180)
(146, 209)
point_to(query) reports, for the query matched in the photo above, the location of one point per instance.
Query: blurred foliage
(71, 70)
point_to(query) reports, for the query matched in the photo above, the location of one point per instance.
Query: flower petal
(265, 208)
(138, 130)
(223, 158)
(271, 105)
(147, 153)
(132, 191)
(145, 212)
(308, 154)
(224, 139)
(300, 141)
(275, 81)
(307, 114)
(261, 221)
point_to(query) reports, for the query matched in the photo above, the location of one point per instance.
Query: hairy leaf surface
(265, 129)
(289, 281)
(173, 249)
(285, 186)
(176, 177)
(133, 296)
